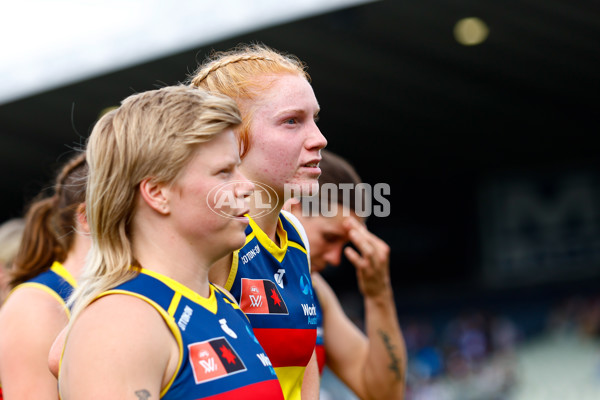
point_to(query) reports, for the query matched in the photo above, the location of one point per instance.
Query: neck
(76, 258)
(158, 249)
(268, 222)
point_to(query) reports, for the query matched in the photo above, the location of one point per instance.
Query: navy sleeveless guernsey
(221, 358)
(273, 287)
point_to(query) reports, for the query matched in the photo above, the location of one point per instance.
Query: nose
(243, 187)
(333, 256)
(316, 140)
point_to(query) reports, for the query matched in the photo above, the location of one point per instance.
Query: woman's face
(207, 198)
(285, 141)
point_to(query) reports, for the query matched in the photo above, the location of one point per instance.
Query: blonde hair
(236, 72)
(152, 134)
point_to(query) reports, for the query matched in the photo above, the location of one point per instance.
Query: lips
(313, 163)
(243, 214)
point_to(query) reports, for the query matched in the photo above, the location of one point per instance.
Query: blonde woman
(147, 323)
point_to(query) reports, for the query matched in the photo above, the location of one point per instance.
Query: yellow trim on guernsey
(291, 379)
(234, 264)
(46, 289)
(60, 270)
(297, 246)
(170, 322)
(277, 251)
(210, 302)
(174, 304)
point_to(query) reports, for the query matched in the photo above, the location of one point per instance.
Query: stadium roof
(405, 96)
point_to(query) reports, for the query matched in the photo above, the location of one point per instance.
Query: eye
(290, 121)
(330, 238)
(316, 118)
(225, 171)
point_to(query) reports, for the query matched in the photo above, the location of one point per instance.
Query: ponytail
(39, 247)
(50, 223)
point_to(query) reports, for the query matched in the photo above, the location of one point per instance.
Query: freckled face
(285, 141)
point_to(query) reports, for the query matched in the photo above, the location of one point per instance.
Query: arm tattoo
(142, 394)
(395, 361)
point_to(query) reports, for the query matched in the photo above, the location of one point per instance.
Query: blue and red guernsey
(221, 358)
(273, 287)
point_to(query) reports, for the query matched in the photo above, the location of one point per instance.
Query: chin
(318, 269)
(242, 240)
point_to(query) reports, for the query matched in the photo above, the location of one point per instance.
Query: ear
(155, 195)
(81, 217)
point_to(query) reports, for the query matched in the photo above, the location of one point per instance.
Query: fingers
(370, 258)
(373, 251)
(354, 258)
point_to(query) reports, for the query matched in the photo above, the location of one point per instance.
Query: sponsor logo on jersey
(261, 296)
(250, 254)
(266, 362)
(214, 359)
(185, 318)
(309, 310)
(311, 313)
(305, 285)
(227, 329)
(264, 359)
(279, 277)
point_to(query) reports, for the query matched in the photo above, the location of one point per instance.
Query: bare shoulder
(29, 321)
(124, 316)
(32, 299)
(29, 310)
(118, 339)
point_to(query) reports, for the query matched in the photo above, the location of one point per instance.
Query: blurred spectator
(11, 232)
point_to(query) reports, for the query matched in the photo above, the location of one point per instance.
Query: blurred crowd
(484, 355)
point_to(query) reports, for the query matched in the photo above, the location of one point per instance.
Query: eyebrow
(296, 111)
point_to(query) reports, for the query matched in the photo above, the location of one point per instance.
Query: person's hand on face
(371, 258)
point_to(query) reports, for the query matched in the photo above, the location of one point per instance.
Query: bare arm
(30, 320)
(118, 348)
(311, 382)
(56, 352)
(374, 366)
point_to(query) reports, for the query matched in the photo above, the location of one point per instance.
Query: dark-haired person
(372, 365)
